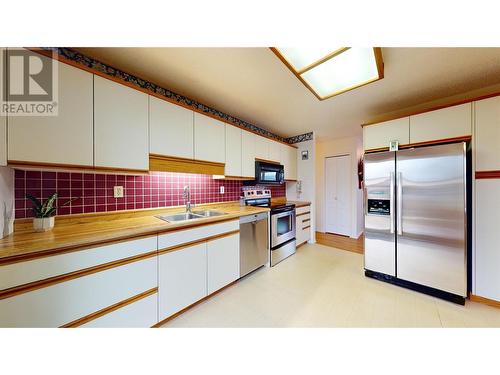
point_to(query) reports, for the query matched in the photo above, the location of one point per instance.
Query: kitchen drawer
(139, 314)
(67, 301)
(38, 269)
(194, 234)
(302, 210)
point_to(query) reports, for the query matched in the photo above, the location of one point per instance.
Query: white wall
(307, 174)
(334, 147)
(6, 201)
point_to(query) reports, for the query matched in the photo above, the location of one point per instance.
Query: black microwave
(269, 173)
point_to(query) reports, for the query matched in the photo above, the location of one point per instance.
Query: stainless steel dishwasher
(254, 249)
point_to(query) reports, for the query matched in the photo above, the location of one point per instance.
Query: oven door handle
(282, 214)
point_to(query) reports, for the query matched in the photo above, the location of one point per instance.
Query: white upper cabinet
(63, 139)
(247, 154)
(379, 135)
(261, 147)
(170, 129)
(289, 161)
(209, 139)
(444, 123)
(120, 125)
(233, 151)
(274, 150)
(487, 134)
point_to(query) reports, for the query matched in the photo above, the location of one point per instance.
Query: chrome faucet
(187, 198)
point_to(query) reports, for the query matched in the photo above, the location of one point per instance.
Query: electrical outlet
(118, 191)
(221, 189)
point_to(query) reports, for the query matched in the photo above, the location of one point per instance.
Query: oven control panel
(379, 206)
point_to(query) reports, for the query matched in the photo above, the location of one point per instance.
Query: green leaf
(49, 205)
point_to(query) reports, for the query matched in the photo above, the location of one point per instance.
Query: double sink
(190, 215)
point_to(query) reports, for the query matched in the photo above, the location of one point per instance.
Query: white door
(337, 194)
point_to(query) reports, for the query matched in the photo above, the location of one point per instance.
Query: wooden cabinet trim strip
(152, 93)
(109, 309)
(303, 213)
(164, 163)
(306, 220)
(196, 242)
(487, 175)
(464, 138)
(486, 301)
(160, 323)
(24, 288)
(306, 227)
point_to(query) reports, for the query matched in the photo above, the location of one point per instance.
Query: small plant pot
(43, 224)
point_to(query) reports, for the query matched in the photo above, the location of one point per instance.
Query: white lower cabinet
(487, 242)
(182, 279)
(303, 224)
(65, 302)
(223, 262)
(140, 314)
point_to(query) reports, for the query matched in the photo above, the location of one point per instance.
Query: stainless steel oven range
(282, 223)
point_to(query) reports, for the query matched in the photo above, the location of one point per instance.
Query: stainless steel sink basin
(190, 216)
(179, 217)
(208, 213)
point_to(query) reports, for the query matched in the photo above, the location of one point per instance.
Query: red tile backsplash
(95, 191)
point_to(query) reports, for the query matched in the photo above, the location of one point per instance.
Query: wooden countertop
(86, 230)
(299, 203)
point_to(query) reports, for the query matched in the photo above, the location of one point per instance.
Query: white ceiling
(254, 85)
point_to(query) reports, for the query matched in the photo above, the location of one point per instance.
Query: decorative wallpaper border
(300, 138)
(92, 63)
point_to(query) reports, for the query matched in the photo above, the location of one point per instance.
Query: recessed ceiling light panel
(329, 72)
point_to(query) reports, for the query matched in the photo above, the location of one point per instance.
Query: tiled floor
(324, 287)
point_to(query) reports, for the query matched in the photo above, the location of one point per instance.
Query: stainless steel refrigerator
(415, 219)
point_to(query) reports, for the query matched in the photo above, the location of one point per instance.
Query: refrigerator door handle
(391, 201)
(399, 200)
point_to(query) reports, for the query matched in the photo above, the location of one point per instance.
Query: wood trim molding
(77, 65)
(303, 213)
(464, 138)
(268, 161)
(237, 178)
(196, 242)
(24, 288)
(486, 301)
(306, 227)
(34, 164)
(173, 316)
(306, 220)
(487, 175)
(109, 309)
(164, 163)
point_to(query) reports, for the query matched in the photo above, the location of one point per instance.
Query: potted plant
(44, 212)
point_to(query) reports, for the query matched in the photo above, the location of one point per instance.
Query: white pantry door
(337, 194)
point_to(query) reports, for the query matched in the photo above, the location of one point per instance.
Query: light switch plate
(221, 189)
(118, 191)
